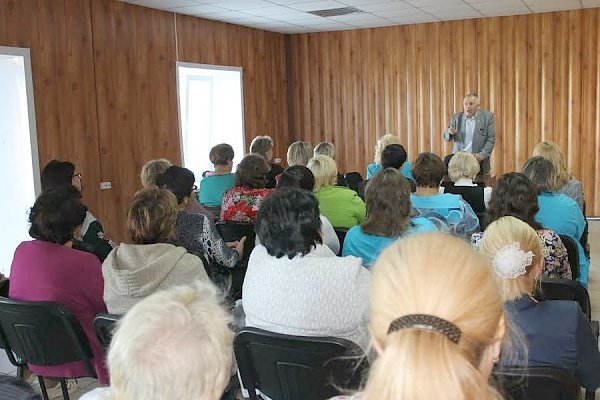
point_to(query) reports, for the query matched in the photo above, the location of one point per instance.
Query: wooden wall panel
(58, 34)
(134, 55)
(261, 55)
(538, 73)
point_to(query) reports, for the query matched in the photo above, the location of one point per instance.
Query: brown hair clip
(426, 322)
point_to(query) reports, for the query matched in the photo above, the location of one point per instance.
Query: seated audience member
(299, 153)
(241, 202)
(328, 149)
(428, 170)
(557, 211)
(195, 232)
(342, 206)
(301, 177)
(564, 183)
(515, 195)
(392, 156)
(60, 174)
(152, 263)
(263, 145)
(174, 344)
(153, 169)
(377, 164)
(294, 284)
(388, 217)
(462, 169)
(49, 269)
(452, 338)
(213, 186)
(557, 333)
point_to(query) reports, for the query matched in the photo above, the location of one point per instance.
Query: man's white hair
(175, 344)
(472, 96)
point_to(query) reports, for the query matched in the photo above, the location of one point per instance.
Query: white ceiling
(290, 16)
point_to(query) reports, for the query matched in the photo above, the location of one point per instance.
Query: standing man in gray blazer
(473, 131)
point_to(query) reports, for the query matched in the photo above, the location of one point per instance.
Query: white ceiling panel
(292, 16)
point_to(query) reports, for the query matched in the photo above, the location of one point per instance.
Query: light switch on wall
(105, 185)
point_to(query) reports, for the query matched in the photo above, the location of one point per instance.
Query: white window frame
(35, 160)
(207, 66)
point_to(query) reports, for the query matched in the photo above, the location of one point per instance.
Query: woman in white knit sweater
(296, 285)
(134, 271)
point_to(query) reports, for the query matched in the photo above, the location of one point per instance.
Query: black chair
(286, 367)
(584, 236)
(572, 254)
(566, 289)
(4, 285)
(104, 326)
(536, 383)
(44, 334)
(341, 234)
(232, 231)
(215, 210)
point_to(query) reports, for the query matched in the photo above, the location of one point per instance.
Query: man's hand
(479, 157)
(451, 130)
(238, 246)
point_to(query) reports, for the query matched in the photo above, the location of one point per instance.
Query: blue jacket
(558, 335)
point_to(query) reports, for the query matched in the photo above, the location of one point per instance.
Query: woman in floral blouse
(515, 195)
(241, 203)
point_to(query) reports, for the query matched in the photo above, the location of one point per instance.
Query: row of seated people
(458, 314)
(449, 208)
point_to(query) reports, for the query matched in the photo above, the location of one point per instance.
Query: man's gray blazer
(484, 136)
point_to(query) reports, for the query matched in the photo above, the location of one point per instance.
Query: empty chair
(43, 334)
(285, 367)
(104, 326)
(537, 383)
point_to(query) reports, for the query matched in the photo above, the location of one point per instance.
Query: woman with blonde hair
(340, 205)
(299, 153)
(462, 169)
(436, 322)
(381, 144)
(557, 333)
(564, 183)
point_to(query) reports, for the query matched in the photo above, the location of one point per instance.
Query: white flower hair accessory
(511, 262)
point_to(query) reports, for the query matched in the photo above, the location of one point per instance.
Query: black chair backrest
(104, 326)
(566, 289)
(215, 210)
(572, 254)
(287, 367)
(4, 285)
(232, 231)
(471, 194)
(536, 383)
(341, 234)
(43, 333)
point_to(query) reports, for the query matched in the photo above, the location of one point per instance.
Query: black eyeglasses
(77, 176)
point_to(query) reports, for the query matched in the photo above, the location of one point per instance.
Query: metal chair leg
(65, 391)
(43, 387)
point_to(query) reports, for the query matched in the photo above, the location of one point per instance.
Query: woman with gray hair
(175, 344)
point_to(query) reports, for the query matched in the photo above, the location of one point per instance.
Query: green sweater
(341, 206)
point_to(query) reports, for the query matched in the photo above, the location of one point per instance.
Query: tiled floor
(86, 384)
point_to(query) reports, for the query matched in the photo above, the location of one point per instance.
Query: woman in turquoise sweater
(388, 217)
(340, 205)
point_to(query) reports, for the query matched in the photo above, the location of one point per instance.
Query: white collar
(465, 182)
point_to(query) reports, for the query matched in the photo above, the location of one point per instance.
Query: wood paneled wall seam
(538, 73)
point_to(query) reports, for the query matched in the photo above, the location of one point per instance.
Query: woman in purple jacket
(49, 269)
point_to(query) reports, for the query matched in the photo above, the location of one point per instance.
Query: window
(19, 163)
(210, 112)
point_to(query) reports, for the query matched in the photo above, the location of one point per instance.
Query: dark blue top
(558, 335)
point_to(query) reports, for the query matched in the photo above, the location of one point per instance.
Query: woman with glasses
(62, 174)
